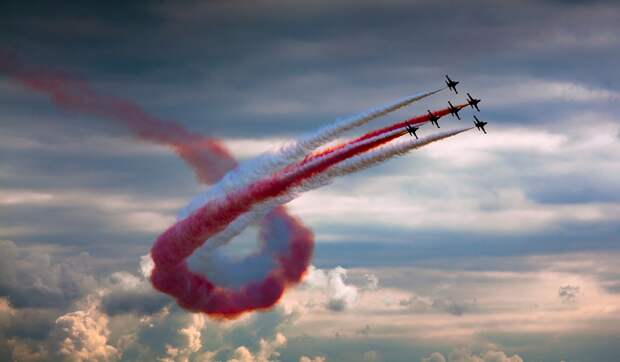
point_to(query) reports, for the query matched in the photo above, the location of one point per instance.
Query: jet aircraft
(412, 130)
(454, 111)
(480, 125)
(433, 118)
(473, 102)
(451, 84)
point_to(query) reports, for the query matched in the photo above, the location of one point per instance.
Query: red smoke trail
(210, 161)
(411, 121)
(171, 274)
(208, 157)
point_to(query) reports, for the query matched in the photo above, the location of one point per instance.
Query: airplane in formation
(473, 102)
(480, 125)
(433, 118)
(412, 130)
(454, 111)
(451, 84)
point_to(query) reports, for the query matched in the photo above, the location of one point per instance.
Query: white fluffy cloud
(332, 283)
(189, 343)
(84, 334)
(267, 350)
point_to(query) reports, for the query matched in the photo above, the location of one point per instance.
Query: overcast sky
(498, 247)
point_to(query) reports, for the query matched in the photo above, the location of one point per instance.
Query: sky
(486, 248)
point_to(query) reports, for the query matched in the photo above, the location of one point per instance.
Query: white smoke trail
(252, 170)
(260, 210)
(386, 152)
(346, 167)
(309, 143)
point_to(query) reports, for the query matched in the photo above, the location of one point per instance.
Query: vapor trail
(349, 166)
(418, 120)
(241, 223)
(252, 170)
(310, 142)
(171, 274)
(261, 209)
(206, 156)
(387, 152)
(251, 192)
(209, 159)
(302, 146)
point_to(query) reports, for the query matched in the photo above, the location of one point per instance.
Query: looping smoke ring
(284, 238)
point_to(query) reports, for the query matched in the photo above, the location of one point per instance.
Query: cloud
(128, 211)
(312, 359)
(340, 296)
(267, 351)
(541, 180)
(242, 354)
(372, 281)
(532, 183)
(518, 91)
(463, 355)
(453, 307)
(84, 334)
(191, 341)
(172, 334)
(6, 312)
(448, 305)
(146, 266)
(64, 141)
(192, 332)
(568, 294)
(32, 278)
(126, 293)
(370, 356)
(364, 331)
(27, 352)
(434, 357)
